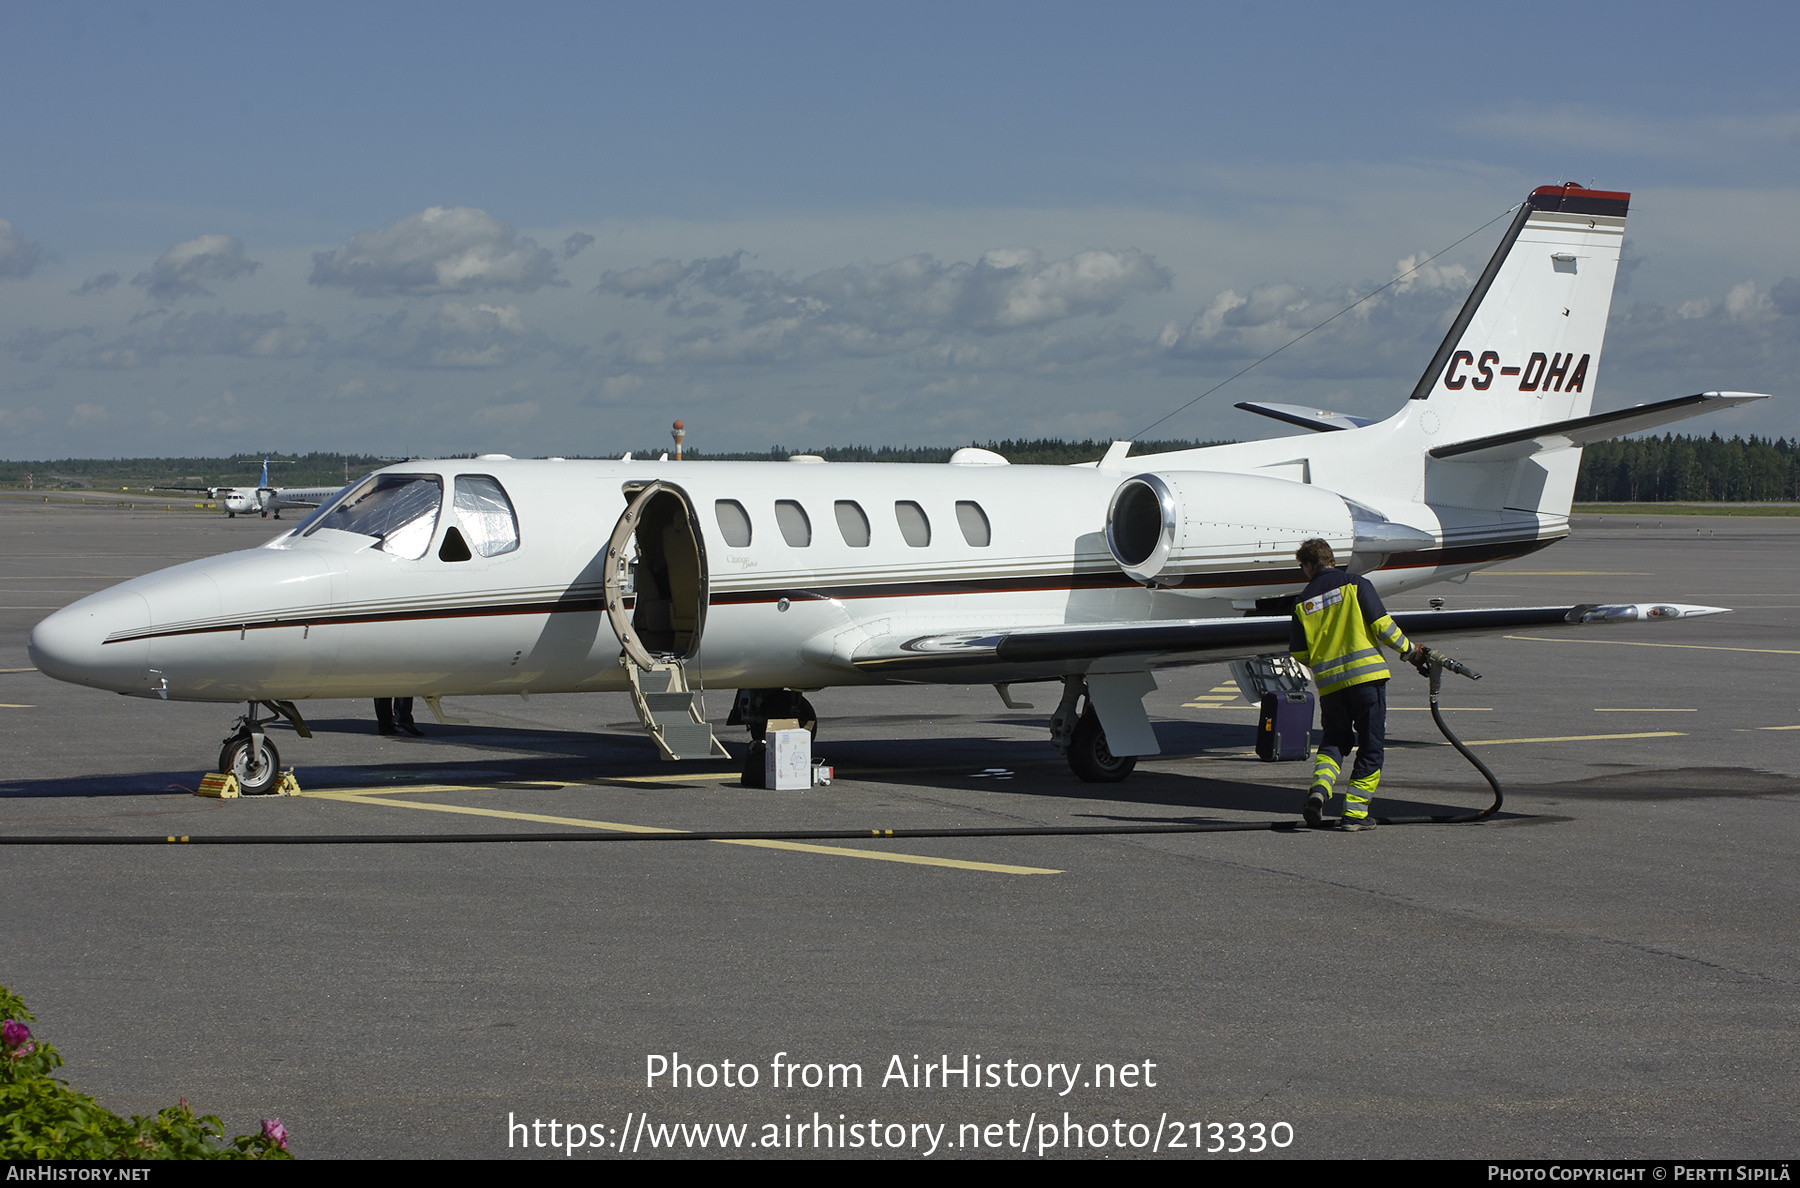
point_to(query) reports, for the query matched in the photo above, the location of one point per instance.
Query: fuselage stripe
(587, 604)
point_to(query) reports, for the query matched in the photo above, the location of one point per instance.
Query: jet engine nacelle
(1168, 527)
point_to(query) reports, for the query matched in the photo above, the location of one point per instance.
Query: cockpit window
(398, 510)
(324, 509)
(486, 515)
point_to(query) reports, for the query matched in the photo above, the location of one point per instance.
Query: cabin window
(485, 515)
(914, 527)
(852, 523)
(974, 523)
(399, 510)
(795, 527)
(734, 522)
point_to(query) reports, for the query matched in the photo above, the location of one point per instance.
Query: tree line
(1698, 469)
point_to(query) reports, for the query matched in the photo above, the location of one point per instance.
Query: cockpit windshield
(398, 510)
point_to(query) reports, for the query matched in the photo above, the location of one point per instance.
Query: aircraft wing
(1213, 639)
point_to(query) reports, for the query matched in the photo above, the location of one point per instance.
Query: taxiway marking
(1644, 710)
(1560, 573)
(1632, 643)
(378, 796)
(1496, 742)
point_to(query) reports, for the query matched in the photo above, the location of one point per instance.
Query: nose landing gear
(248, 754)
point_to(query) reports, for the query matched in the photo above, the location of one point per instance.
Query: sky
(416, 229)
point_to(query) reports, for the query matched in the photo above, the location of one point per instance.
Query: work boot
(1356, 824)
(1315, 806)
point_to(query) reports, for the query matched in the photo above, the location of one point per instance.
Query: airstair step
(688, 740)
(663, 703)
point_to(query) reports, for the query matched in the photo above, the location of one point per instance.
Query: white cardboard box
(788, 761)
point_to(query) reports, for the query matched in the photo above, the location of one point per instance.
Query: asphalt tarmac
(1606, 970)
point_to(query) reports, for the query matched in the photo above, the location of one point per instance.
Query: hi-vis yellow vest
(1341, 646)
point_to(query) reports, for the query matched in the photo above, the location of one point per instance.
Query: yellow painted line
(1497, 742)
(1599, 710)
(1778, 727)
(504, 814)
(1223, 689)
(1560, 573)
(4, 705)
(1449, 709)
(915, 859)
(1631, 643)
(18, 670)
(671, 779)
(359, 797)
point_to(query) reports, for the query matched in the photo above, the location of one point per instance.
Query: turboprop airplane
(264, 498)
(469, 577)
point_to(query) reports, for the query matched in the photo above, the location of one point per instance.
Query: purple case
(1284, 727)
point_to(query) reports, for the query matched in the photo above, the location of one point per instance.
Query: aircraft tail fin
(1523, 354)
(1525, 349)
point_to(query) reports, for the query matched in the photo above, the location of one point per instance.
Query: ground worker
(1338, 620)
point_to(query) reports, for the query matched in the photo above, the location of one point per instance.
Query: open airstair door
(656, 556)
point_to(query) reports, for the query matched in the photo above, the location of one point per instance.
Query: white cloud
(250, 336)
(455, 336)
(1007, 289)
(17, 257)
(916, 307)
(573, 245)
(181, 269)
(1739, 341)
(439, 250)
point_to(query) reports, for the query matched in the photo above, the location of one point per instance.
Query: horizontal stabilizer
(1561, 435)
(1317, 419)
(1214, 639)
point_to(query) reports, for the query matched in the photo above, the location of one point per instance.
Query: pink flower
(275, 1132)
(16, 1038)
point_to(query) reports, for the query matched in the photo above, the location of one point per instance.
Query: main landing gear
(248, 754)
(1075, 730)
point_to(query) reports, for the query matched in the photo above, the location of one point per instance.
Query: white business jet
(488, 576)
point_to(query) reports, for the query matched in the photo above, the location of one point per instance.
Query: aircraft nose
(71, 645)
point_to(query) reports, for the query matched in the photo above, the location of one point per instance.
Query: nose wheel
(254, 761)
(248, 754)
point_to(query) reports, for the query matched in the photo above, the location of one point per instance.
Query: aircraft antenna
(1334, 317)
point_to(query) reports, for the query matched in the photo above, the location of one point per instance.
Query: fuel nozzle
(1433, 663)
